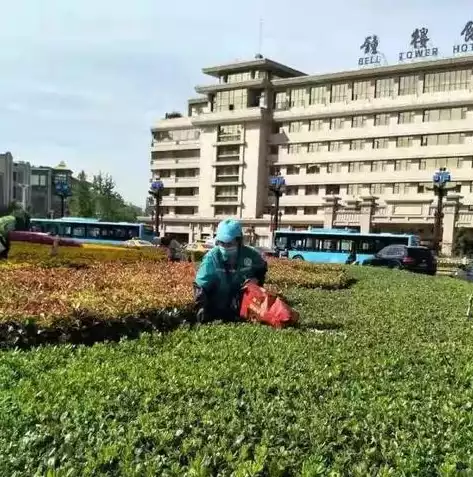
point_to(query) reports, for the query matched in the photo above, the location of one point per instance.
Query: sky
(82, 81)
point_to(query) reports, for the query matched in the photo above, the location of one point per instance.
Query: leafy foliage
(386, 392)
(92, 294)
(99, 198)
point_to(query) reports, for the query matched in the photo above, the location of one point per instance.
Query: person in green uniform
(7, 224)
(223, 272)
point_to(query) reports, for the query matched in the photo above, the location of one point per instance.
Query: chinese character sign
(467, 45)
(420, 48)
(370, 49)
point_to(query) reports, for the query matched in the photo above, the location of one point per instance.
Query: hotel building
(357, 148)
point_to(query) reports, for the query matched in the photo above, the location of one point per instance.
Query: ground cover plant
(87, 295)
(386, 391)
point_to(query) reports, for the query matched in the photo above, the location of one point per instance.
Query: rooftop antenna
(260, 39)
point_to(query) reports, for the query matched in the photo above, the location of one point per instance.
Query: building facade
(6, 179)
(357, 149)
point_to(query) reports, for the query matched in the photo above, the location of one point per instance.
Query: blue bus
(336, 245)
(88, 230)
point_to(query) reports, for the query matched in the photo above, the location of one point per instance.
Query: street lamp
(62, 184)
(440, 180)
(276, 186)
(156, 190)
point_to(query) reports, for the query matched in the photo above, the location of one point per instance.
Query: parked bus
(93, 230)
(336, 245)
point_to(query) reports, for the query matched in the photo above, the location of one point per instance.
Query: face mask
(228, 253)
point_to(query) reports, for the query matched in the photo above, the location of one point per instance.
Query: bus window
(346, 246)
(78, 231)
(281, 242)
(93, 232)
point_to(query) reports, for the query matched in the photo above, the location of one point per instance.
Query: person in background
(223, 272)
(7, 224)
(172, 247)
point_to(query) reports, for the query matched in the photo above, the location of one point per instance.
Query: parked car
(413, 259)
(137, 243)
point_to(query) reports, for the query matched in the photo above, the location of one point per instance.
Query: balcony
(174, 123)
(170, 145)
(228, 117)
(183, 163)
(172, 182)
(173, 200)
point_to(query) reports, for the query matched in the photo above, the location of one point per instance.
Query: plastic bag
(258, 304)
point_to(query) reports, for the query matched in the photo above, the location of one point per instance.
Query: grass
(386, 389)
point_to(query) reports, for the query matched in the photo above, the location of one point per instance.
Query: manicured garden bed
(378, 381)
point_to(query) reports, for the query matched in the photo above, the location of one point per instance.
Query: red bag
(258, 304)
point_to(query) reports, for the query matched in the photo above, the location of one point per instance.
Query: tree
(22, 216)
(82, 202)
(110, 205)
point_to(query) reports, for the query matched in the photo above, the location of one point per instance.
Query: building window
(227, 174)
(378, 166)
(401, 165)
(239, 77)
(280, 100)
(292, 170)
(313, 169)
(447, 81)
(421, 189)
(290, 210)
(316, 146)
(228, 153)
(337, 123)
(382, 119)
(297, 98)
(295, 126)
(377, 189)
(381, 143)
(442, 139)
(293, 148)
(226, 210)
(339, 92)
(336, 146)
(230, 100)
(422, 165)
(312, 210)
(318, 95)
(292, 190)
(404, 141)
(312, 189)
(354, 189)
(406, 117)
(187, 173)
(358, 121)
(357, 144)
(334, 167)
(226, 193)
(445, 114)
(176, 135)
(316, 124)
(355, 167)
(408, 84)
(229, 132)
(448, 162)
(184, 210)
(362, 90)
(332, 189)
(385, 88)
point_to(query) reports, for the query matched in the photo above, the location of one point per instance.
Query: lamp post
(156, 190)
(440, 180)
(62, 184)
(276, 186)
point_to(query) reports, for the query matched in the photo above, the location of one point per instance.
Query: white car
(137, 243)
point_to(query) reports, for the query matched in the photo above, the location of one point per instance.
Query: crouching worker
(7, 224)
(223, 272)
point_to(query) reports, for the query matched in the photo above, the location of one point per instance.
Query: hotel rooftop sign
(421, 47)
